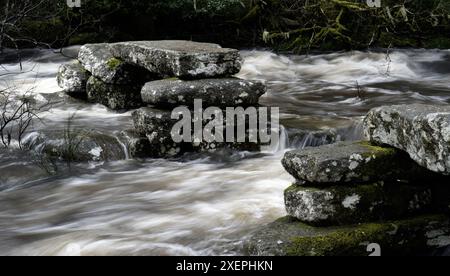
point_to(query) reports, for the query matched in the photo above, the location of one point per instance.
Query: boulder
(423, 131)
(183, 59)
(98, 59)
(340, 205)
(227, 92)
(114, 96)
(351, 162)
(288, 237)
(72, 78)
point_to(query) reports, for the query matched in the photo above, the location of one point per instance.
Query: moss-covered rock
(423, 131)
(350, 162)
(288, 237)
(340, 205)
(98, 59)
(114, 96)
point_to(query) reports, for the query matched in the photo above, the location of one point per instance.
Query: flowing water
(200, 204)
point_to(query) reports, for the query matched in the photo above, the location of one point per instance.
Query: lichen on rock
(423, 131)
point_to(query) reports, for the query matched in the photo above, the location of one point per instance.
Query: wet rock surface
(224, 92)
(183, 59)
(423, 131)
(288, 237)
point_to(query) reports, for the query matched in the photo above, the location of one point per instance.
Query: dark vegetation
(291, 25)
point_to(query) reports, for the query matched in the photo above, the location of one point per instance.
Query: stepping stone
(98, 59)
(351, 162)
(72, 78)
(183, 59)
(423, 131)
(116, 97)
(227, 92)
(288, 237)
(340, 205)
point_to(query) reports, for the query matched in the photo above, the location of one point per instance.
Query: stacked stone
(349, 195)
(157, 76)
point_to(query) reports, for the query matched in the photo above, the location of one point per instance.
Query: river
(202, 204)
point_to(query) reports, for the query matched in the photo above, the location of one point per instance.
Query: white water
(202, 204)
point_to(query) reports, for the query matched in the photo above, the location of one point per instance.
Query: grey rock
(183, 59)
(98, 59)
(423, 131)
(409, 237)
(351, 162)
(114, 96)
(72, 78)
(227, 92)
(341, 205)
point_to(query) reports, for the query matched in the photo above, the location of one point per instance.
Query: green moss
(406, 237)
(113, 63)
(376, 150)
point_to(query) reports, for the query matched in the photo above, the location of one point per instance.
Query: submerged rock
(138, 145)
(354, 162)
(113, 96)
(72, 78)
(76, 146)
(183, 59)
(340, 205)
(227, 92)
(288, 237)
(98, 59)
(423, 131)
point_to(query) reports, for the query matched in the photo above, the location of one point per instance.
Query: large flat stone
(72, 78)
(99, 61)
(423, 131)
(114, 96)
(355, 162)
(341, 205)
(183, 59)
(288, 237)
(227, 92)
